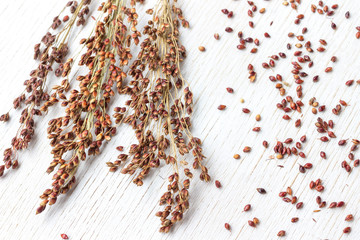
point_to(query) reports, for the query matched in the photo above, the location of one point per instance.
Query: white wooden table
(108, 206)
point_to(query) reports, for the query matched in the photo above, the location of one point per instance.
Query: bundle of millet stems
(86, 124)
(51, 52)
(161, 104)
(159, 109)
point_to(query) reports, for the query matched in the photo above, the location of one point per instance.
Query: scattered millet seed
(221, 107)
(229, 90)
(227, 227)
(281, 233)
(349, 218)
(64, 236)
(247, 207)
(217, 184)
(247, 149)
(261, 190)
(202, 49)
(347, 230)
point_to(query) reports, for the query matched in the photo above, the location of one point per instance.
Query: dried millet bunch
(161, 105)
(51, 51)
(82, 131)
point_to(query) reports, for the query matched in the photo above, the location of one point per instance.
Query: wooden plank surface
(108, 206)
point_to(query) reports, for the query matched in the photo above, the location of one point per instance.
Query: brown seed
(282, 194)
(237, 156)
(247, 207)
(308, 166)
(256, 221)
(201, 48)
(261, 190)
(64, 236)
(349, 218)
(318, 200)
(217, 184)
(294, 219)
(340, 204)
(258, 117)
(347, 14)
(319, 188)
(251, 223)
(349, 83)
(225, 11)
(286, 117)
(328, 69)
(221, 107)
(256, 129)
(299, 205)
(247, 149)
(324, 139)
(342, 102)
(333, 26)
(245, 110)
(342, 142)
(289, 190)
(323, 204)
(323, 155)
(347, 230)
(227, 227)
(265, 144)
(228, 29)
(281, 233)
(229, 90)
(333, 205)
(66, 18)
(216, 36)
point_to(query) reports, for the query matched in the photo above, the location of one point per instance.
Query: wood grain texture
(107, 205)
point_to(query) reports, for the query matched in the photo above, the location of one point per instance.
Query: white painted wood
(108, 206)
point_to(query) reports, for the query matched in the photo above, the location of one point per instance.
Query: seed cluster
(51, 53)
(86, 125)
